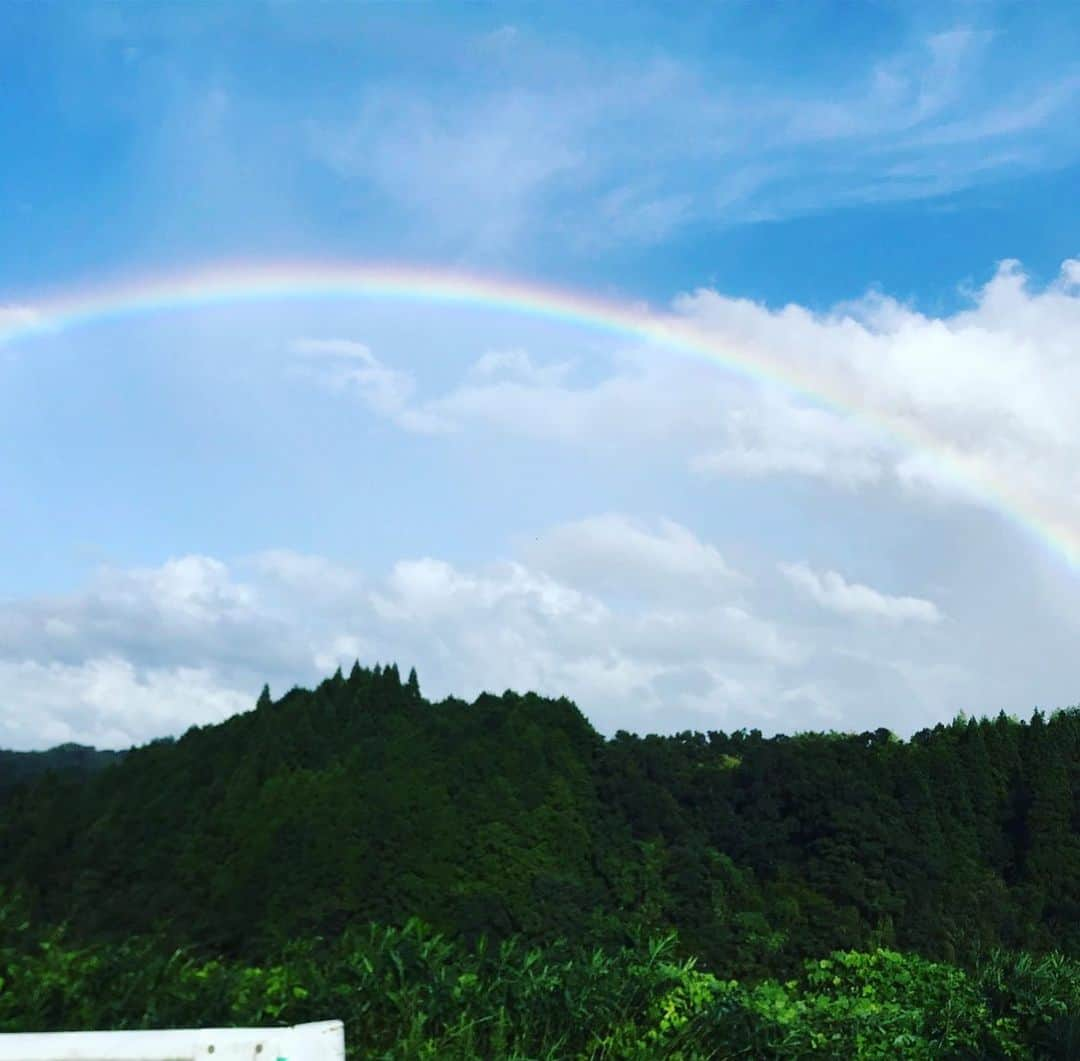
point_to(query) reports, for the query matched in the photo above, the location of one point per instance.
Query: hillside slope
(361, 801)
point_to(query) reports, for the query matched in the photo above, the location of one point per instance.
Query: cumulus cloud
(832, 591)
(779, 436)
(987, 392)
(643, 621)
(142, 652)
(149, 651)
(189, 612)
(514, 625)
(646, 398)
(315, 576)
(975, 407)
(108, 702)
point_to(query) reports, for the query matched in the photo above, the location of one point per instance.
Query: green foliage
(511, 815)
(938, 876)
(1041, 995)
(885, 1005)
(410, 992)
(20, 767)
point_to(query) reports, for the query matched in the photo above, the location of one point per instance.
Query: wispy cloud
(346, 365)
(518, 365)
(471, 172)
(13, 318)
(602, 153)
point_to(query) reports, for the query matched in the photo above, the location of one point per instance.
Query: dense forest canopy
(16, 767)
(362, 802)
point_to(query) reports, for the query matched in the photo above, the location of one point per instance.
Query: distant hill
(361, 801)
(17, 767)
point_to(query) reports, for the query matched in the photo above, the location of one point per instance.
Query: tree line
(510, 817)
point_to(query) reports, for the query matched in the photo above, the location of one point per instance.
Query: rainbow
(232, 284)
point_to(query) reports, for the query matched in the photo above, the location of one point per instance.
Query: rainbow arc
(231, 284)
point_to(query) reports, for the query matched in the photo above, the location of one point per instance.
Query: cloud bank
(989, 390)
(647, 626)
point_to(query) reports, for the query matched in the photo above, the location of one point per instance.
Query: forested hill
(360, 801)
(16, 767)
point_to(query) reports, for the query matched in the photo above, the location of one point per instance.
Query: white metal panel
(323, 1041)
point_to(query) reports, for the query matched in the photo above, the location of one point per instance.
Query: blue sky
(202, 500)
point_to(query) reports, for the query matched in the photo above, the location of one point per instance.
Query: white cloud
(649, 399)
(350, 364)
(188, 590)
(989, 390)
(302, 572)
(642, 212)
(510, 626)
(150, 651)
(832, 591)
(550, 141)
(14, 318)
(517, 365)
(188, 612)
(342, 651)
(429, 590)
(612, 553)
(347, 349)
(1018, 116)
(470, 170)
(1070, 274)
(975, 407)
(107, 702)
(724, 634)
(346, 365)
(501, 40)
(643, 623)
(780, 436)
(904, 91)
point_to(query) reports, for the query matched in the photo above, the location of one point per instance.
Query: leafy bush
(408, 992)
